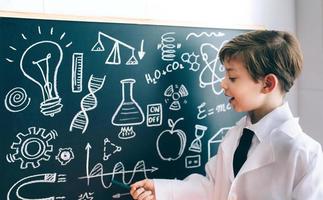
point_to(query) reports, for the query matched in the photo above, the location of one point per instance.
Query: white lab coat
(286, 165)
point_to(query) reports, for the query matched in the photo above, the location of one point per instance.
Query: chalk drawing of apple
(171, 153)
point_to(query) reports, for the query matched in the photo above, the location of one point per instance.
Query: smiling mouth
(230, 98)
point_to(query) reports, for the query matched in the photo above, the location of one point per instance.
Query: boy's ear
(270, 83)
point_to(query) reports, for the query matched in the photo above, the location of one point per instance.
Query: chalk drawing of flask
(128, 112)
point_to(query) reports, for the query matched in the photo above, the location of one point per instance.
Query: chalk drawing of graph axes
(97, 170)
(36, 179)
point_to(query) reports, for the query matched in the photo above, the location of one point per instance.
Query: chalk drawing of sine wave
(213, 72)
(119, 169)
(218, 34)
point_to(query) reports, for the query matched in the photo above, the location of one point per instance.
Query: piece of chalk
(118, 195)
(125, 186)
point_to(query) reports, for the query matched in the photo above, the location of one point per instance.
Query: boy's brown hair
(266, 52)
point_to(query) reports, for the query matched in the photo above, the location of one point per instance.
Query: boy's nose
(223, 85)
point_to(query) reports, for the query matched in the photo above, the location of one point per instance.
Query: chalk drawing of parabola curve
(213, 72)
(17, 100)
(26, 142)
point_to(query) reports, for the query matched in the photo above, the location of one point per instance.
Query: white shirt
(283, 164)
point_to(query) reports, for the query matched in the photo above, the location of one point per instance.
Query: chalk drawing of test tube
(13, 193)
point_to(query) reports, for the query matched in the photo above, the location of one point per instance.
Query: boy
(282, 163)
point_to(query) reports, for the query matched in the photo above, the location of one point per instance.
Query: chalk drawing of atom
(213, 72)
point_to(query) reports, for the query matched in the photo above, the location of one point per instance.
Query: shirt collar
(270, 121)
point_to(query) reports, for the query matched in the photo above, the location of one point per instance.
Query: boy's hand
(143, 190)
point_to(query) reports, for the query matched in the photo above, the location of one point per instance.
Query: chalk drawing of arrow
(141, 53)
(87, 148)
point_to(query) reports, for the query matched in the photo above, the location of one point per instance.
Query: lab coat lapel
(229, 145)
(262, 155)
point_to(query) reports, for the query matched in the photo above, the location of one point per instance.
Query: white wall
(310, 33)
(270, 14)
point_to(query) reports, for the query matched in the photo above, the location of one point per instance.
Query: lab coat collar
(263, 154)
(270, 121)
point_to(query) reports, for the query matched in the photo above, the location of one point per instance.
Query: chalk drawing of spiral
(167, 46)
(16, 100)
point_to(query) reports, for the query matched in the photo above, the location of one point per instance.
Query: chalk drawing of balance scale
(128, 113)
(114, 57)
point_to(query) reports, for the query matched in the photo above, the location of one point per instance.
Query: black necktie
(240, 155)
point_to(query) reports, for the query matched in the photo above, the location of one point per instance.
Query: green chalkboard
(85, 103)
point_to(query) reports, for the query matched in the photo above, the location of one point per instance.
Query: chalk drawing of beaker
(128, 113)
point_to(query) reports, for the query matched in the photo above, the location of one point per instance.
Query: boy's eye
(232, 79)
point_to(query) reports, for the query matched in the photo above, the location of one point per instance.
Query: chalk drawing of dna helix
(213, 72)
(88, 102)
(118, 169)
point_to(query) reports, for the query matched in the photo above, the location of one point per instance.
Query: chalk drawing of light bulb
(40, 63)
(128, 113)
